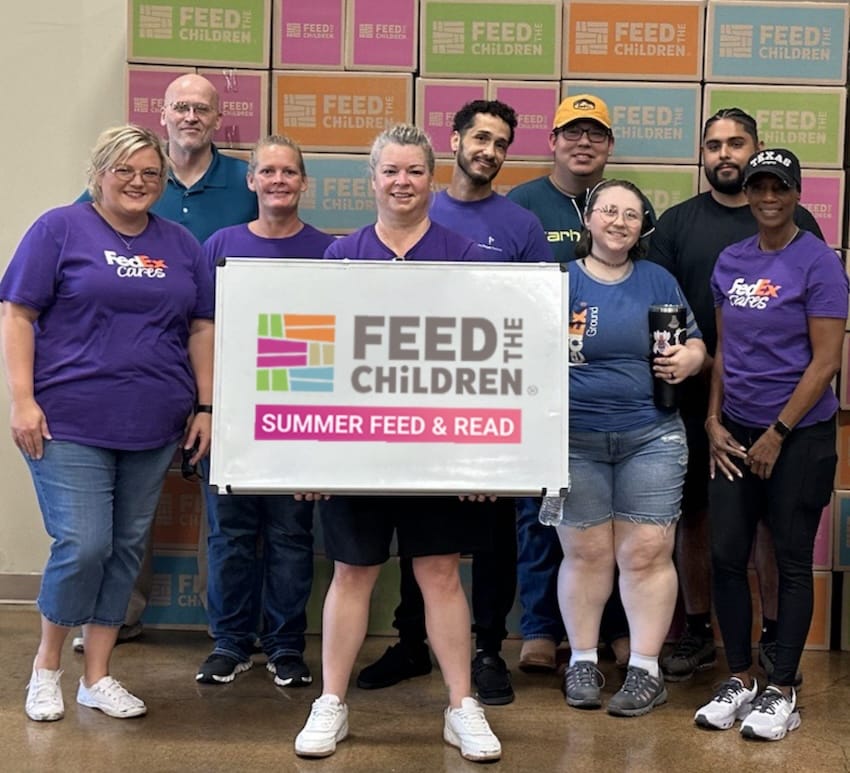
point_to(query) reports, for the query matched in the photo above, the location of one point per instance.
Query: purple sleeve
(828, 287)
(31, 276)
(334, 251)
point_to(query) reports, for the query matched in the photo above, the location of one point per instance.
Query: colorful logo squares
(295, 352)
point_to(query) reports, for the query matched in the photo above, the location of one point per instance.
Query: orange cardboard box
(339, 112)
(510, 175)
(637, 40)
(178, 514)
(842, 471)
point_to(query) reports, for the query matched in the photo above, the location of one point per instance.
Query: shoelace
(114, 690)
(637, 681)
(767, 702)
(323, 715)
(474, 720)
(586, 675)
(728, 690)
(45, 690)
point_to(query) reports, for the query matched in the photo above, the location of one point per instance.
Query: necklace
(128, 243)
(779, 249)
(609, 263)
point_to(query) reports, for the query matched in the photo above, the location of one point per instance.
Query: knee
(647, 557)
(353, 579)
(438, 575)
(88, 555)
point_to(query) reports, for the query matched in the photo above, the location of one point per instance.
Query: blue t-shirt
(219, 199)
(111, 364)
(611, 383)
(504, 230)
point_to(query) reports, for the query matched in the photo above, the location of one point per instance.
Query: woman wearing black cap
(781, 304)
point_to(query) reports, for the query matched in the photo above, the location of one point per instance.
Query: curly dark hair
(465, 117)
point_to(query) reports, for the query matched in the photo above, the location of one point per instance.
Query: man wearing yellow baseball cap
(581, 142)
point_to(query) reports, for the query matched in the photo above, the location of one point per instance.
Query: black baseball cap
(779, 162)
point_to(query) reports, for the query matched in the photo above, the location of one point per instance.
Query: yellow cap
(582, 106)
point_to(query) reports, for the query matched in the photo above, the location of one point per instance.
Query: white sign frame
(523, 451)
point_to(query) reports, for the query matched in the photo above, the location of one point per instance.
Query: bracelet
(203, 408)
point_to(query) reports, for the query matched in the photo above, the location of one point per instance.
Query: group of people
(109, 301)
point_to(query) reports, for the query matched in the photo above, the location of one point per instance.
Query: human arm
(27, 421)
(201, 337)
(721, 445)
(826, 335)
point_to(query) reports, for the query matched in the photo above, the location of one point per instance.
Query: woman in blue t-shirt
(627, 457)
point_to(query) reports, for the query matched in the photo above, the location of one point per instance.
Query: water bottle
(551, 511)
(666, 327)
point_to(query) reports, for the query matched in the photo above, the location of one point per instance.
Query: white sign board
(390, 377)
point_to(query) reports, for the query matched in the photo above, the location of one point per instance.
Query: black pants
(790, 502)
(493, 581)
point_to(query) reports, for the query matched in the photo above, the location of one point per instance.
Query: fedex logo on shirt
(137, 266)
(755, 295)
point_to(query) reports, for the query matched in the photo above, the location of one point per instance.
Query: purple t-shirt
(111, 363)
(504, 231)
(765, 301)
(237, 241)
(437, 243)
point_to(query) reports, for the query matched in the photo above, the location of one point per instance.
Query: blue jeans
(98, 505)
(539, 557)
(284, 528)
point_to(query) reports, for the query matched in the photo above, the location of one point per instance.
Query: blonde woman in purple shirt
(107, 338)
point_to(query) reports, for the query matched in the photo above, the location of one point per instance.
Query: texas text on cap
(582, 106)
(779, 162)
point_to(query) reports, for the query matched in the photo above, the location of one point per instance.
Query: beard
(728, 186)
(476, 177)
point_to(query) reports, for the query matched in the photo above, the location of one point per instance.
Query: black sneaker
(290, 671)
(491, 679)
(583, 683)
(398, 663)
(220, 669)
(640, 694)
(691, 654)
(767, 657)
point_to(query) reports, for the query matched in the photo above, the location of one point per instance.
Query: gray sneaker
(691, 654)
(640, 694)
(583, 683)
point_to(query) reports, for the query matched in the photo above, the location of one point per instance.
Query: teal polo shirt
(219, 199)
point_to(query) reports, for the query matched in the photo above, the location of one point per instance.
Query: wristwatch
(782, 429)
(203, 408)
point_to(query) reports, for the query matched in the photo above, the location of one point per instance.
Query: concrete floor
(250, 724)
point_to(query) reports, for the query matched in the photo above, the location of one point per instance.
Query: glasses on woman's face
(128, 174)
(594, 133)
(610, 214)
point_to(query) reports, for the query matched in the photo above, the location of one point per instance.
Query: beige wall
(63, 80)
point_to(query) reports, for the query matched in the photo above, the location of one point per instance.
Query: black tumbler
(666, 328)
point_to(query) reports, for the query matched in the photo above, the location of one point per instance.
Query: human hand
(677, 363)
(723, 449)
(762, 455)
(29, 427)
(200, 432)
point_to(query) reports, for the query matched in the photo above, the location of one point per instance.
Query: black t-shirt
(690, 236)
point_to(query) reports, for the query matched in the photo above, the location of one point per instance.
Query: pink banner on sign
(349, 423)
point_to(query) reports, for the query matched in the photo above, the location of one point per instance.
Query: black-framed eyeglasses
(594, 133)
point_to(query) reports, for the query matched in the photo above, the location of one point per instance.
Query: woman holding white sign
(627, 456)
(358, 530)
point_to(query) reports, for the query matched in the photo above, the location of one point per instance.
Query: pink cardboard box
(822, 557)
(381, 35)
(823, 196)
(244, 101)
(146, 86)
(308, 35)
(535, 103)
(437, 101)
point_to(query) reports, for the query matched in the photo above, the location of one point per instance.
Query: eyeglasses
(128, 174)
(610, 214)
(594, 133)
(199, 108)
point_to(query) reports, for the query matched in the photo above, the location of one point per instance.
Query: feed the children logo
(295, 352)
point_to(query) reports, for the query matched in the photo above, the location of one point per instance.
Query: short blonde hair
(277, 140)
(401, 134)
(117, 144)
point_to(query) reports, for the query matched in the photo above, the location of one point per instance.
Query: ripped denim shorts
(633, 476)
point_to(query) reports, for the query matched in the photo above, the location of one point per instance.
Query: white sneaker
(773, 715)
(467, 729)
(109, 696)
(731, 701)
(44, 696)
(325, 727)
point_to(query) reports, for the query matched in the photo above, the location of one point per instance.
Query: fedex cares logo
(139, 266)
(755, 295)
(295, 352)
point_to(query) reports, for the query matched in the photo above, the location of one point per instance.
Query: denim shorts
(97, 505)
(634, 476)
